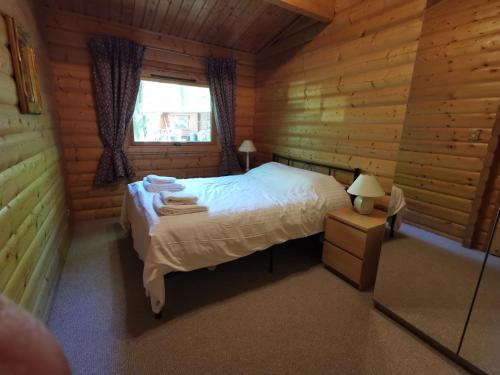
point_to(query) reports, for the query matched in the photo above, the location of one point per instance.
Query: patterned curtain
(222, 83)
(116, 76)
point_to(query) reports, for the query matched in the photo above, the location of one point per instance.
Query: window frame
(132, 143)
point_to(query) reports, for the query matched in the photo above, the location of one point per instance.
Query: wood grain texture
(352, 244)
(340, 96)
(488, 207)
(366, 92)
(34, 233)
(67, 35)
(450, 118)
(321, 10)
(245, 25)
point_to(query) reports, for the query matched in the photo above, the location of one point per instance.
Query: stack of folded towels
(155, 184)
(176, 203)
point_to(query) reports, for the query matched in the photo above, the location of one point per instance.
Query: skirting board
(429, 340)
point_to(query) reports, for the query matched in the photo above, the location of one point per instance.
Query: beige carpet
(238, 319)
(482, 339)
(429, 281)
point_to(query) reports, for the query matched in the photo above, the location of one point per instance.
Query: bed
(268, 205)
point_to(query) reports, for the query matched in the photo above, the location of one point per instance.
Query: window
(170, 112)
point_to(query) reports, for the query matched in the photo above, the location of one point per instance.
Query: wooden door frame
(472, 229)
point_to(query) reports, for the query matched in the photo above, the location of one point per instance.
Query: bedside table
(352, 244)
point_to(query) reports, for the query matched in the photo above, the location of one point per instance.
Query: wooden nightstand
(352, 244)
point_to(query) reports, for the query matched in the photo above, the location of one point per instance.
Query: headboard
(344, 175)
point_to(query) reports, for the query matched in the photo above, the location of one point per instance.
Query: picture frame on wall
(25, 68)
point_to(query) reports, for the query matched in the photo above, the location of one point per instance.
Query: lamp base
(363, 205)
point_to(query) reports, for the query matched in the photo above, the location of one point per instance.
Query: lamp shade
(247, 146)
(366, 185)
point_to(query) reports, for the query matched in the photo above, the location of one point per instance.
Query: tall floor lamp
(248, 147)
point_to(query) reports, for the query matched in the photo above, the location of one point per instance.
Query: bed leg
(158, 315)
(271, 260)
(393, 223)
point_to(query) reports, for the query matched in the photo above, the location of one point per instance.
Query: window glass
(170, 112)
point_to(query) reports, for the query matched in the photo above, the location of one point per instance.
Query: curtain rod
(179, 53)
(171, 78)
(174, 51)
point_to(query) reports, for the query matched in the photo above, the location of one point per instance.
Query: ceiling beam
(321, 10)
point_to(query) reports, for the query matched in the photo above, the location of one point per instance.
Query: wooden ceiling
(245, 25)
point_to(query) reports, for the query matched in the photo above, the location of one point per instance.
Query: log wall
(383, 86)
(380, 86)
(67, 35)
(451, 114)
(339, 94)
(488, 208)
(34, 233)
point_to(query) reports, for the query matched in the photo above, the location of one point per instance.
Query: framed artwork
(25, 68)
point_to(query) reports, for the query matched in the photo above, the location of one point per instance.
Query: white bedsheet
(270, 204)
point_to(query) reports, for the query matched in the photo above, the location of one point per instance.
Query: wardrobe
(439, 275)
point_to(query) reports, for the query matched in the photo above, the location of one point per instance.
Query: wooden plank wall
(489, 207)
(67, 35)
(34, 233)
(451, 112)
(340, 96)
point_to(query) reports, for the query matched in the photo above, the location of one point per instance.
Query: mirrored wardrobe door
(481, 343)
(425, 276)
(428, 281)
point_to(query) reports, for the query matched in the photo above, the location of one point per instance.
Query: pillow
(286, 178)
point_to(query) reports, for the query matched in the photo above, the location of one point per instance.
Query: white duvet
(270, 204)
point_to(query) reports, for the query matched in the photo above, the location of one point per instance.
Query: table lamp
(366, 187)
(247, 146)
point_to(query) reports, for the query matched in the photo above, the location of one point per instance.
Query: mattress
(268, 205)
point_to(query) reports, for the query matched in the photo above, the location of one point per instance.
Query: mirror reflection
(428, 281)
(447, 169)
(482, 335)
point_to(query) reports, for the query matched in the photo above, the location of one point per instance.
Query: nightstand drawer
(346, 237)
(343, 262)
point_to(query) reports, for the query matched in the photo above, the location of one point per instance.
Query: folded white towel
(154, 179)
(183, 209)
(168, 197)
(156, 188)
(175, 209)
